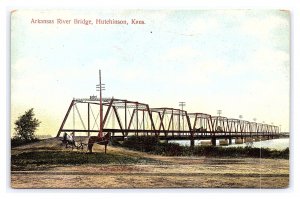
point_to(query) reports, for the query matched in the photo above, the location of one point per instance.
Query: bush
(153, 145)
(25, 127)
(141, 143)
(115, 143)
(169, 149)
(18, 141)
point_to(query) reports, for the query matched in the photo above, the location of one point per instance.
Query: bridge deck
(179, 135)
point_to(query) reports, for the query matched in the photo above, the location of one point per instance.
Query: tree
(26, 126)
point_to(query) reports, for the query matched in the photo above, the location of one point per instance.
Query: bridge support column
(239, 140)
(230, 140)
(192, 143)
(214, 141)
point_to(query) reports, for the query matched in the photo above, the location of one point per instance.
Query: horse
(98, 140)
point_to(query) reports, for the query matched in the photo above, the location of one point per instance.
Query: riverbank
(275, 144)
(47, 164)
(155, 146)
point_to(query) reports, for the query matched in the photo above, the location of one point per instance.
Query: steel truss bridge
(124, 118)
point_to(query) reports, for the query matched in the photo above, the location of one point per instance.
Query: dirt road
(167, 172)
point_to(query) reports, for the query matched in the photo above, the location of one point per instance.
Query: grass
(240, 152)
(44, 158)
(19, 142)
(153, 145)
(51, 158)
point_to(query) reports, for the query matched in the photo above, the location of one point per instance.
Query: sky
(237, 61)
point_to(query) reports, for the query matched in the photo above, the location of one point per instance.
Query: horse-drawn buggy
(69, 141)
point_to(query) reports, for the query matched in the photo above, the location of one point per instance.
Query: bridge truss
(123, 118)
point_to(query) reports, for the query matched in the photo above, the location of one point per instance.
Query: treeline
(25, 127)
(154, 146)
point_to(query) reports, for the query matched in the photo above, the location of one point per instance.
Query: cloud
(181, 53)
(263, 28)
(270, 61)
(201, 26)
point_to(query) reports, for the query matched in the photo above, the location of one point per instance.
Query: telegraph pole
(254, 119)
(219, 112)
(101, 87)
(280, 128)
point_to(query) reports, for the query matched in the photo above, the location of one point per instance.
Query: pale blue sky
(234, 60)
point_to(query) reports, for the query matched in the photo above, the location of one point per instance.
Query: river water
(278, 144)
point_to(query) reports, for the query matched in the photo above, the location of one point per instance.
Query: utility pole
(182, 104)
(219, 112)
(101, 87)
(280, 128)
(254, 119)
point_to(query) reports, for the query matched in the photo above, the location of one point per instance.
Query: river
(278, 144)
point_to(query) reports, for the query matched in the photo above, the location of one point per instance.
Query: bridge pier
(230, 140)
(270, 137)
(192, 143)
(239, 140)
(214, 141)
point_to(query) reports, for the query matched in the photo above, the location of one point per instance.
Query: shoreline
(122, 168)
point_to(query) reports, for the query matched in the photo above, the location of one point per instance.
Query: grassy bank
(14, 142)
(153, 145)
(42, 159)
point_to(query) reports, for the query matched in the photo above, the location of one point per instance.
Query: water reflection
(278, 144)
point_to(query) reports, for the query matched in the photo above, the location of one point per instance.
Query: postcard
(110, 99)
